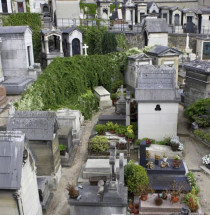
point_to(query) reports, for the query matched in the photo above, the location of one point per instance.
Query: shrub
(121, 129)
(100, 128)
(199, 112)
(166, 141)
(135, 175)
(114, 96)
(191, 179)
(115, 85)
(109, 43)
(99, 144)
(191, 200)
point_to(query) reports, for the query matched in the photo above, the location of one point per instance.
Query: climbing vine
(88, 8)
(33, 20)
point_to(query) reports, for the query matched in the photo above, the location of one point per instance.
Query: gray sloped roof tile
(153, 25)
(37, 125)
(13, 29)
(11, 159)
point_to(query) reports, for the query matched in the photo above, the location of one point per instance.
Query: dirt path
(59, 204)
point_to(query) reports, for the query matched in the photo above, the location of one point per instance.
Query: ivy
(121, 41)
(67, 82)
(109, 43)
(88, 8)
(33, 20)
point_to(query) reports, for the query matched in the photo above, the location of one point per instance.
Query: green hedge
(202, 134)
(33, 20)
(88, 8)
(65, 82)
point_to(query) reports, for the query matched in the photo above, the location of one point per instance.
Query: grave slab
(104, 97)
(16, 85)
(119, 119)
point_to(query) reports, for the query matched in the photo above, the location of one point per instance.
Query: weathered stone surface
(3, 98)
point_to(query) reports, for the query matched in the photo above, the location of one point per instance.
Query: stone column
(61, 45)
(70, 49)
(46, 45)
(81, 49)
(121, 169)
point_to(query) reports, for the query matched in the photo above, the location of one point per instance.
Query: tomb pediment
(164, 51)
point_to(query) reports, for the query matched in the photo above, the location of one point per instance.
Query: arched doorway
(75, 47)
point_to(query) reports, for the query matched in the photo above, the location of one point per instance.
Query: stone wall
(179, 41)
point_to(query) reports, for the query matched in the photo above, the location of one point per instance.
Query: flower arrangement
(206, 159)
(129, 132)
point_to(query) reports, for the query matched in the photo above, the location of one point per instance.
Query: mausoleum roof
(51, 31)
(142, 56)
(11, 159)
(70, 30)
(189, 10)
(156, 84)
(163, 51)
(155, 25)
(13, 29)
(198, 66)
(175, 8)
(205, 10)
(37, 125)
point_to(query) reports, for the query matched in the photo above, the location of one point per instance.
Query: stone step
(155, 213)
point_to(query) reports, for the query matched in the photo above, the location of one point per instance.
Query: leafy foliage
(109, 43)
(99, 144)
(202, 134)
(192, 201)
(135, 175)
(65, 83)
(88, 8)
(93, 36)
(199, 112)
(33, 20)
(100, 128)
(192, 180)
(121, 41)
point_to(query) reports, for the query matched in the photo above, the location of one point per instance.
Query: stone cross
(112, 159)
(121, 169)
(85, 47)
(187, 41)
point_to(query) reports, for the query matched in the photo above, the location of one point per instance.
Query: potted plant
(191, 200)
(121, 130)
(101, 129)
(148, 142)
(114, 97)
(143, 190)
(165, 158)
(157, 159)
(110, 127)
(129, 133)
(164, 194)
(206, 160)
(175, 192)
(158, 200)
(176, 162)
(62, 149)
(73, 192)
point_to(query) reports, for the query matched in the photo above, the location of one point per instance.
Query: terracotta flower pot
(130, 206)
(144, 197)
(112, 131)
(135, 211)
(174, 199)
(136, 205)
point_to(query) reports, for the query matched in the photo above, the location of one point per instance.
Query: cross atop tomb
(112, 160)
(85, 47)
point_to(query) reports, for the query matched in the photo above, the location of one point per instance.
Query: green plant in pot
(111, 127)
(114, 97)
(135, 175)
(62, 149)
(129, 133)
(176, 162)
(121, 130)
(101, 129)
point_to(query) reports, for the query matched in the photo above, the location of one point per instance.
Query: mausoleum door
(4, 6)
(20, 7)
(75, 47)
(176, 19)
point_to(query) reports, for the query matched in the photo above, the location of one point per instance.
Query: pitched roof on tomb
(70, 30)
(175, 8)
(37, 125)
(191, 10)
(163, 51)
(51, 31)
(205, 10)
(141, 56)
(11, 159)
(155, 25)
(198, 66)
(14, 29)
(156, 84)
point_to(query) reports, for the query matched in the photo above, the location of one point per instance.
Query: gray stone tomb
(40, 128)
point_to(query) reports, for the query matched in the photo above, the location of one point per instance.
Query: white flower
(206, 159)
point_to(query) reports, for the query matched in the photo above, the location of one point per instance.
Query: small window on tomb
(157, 108)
